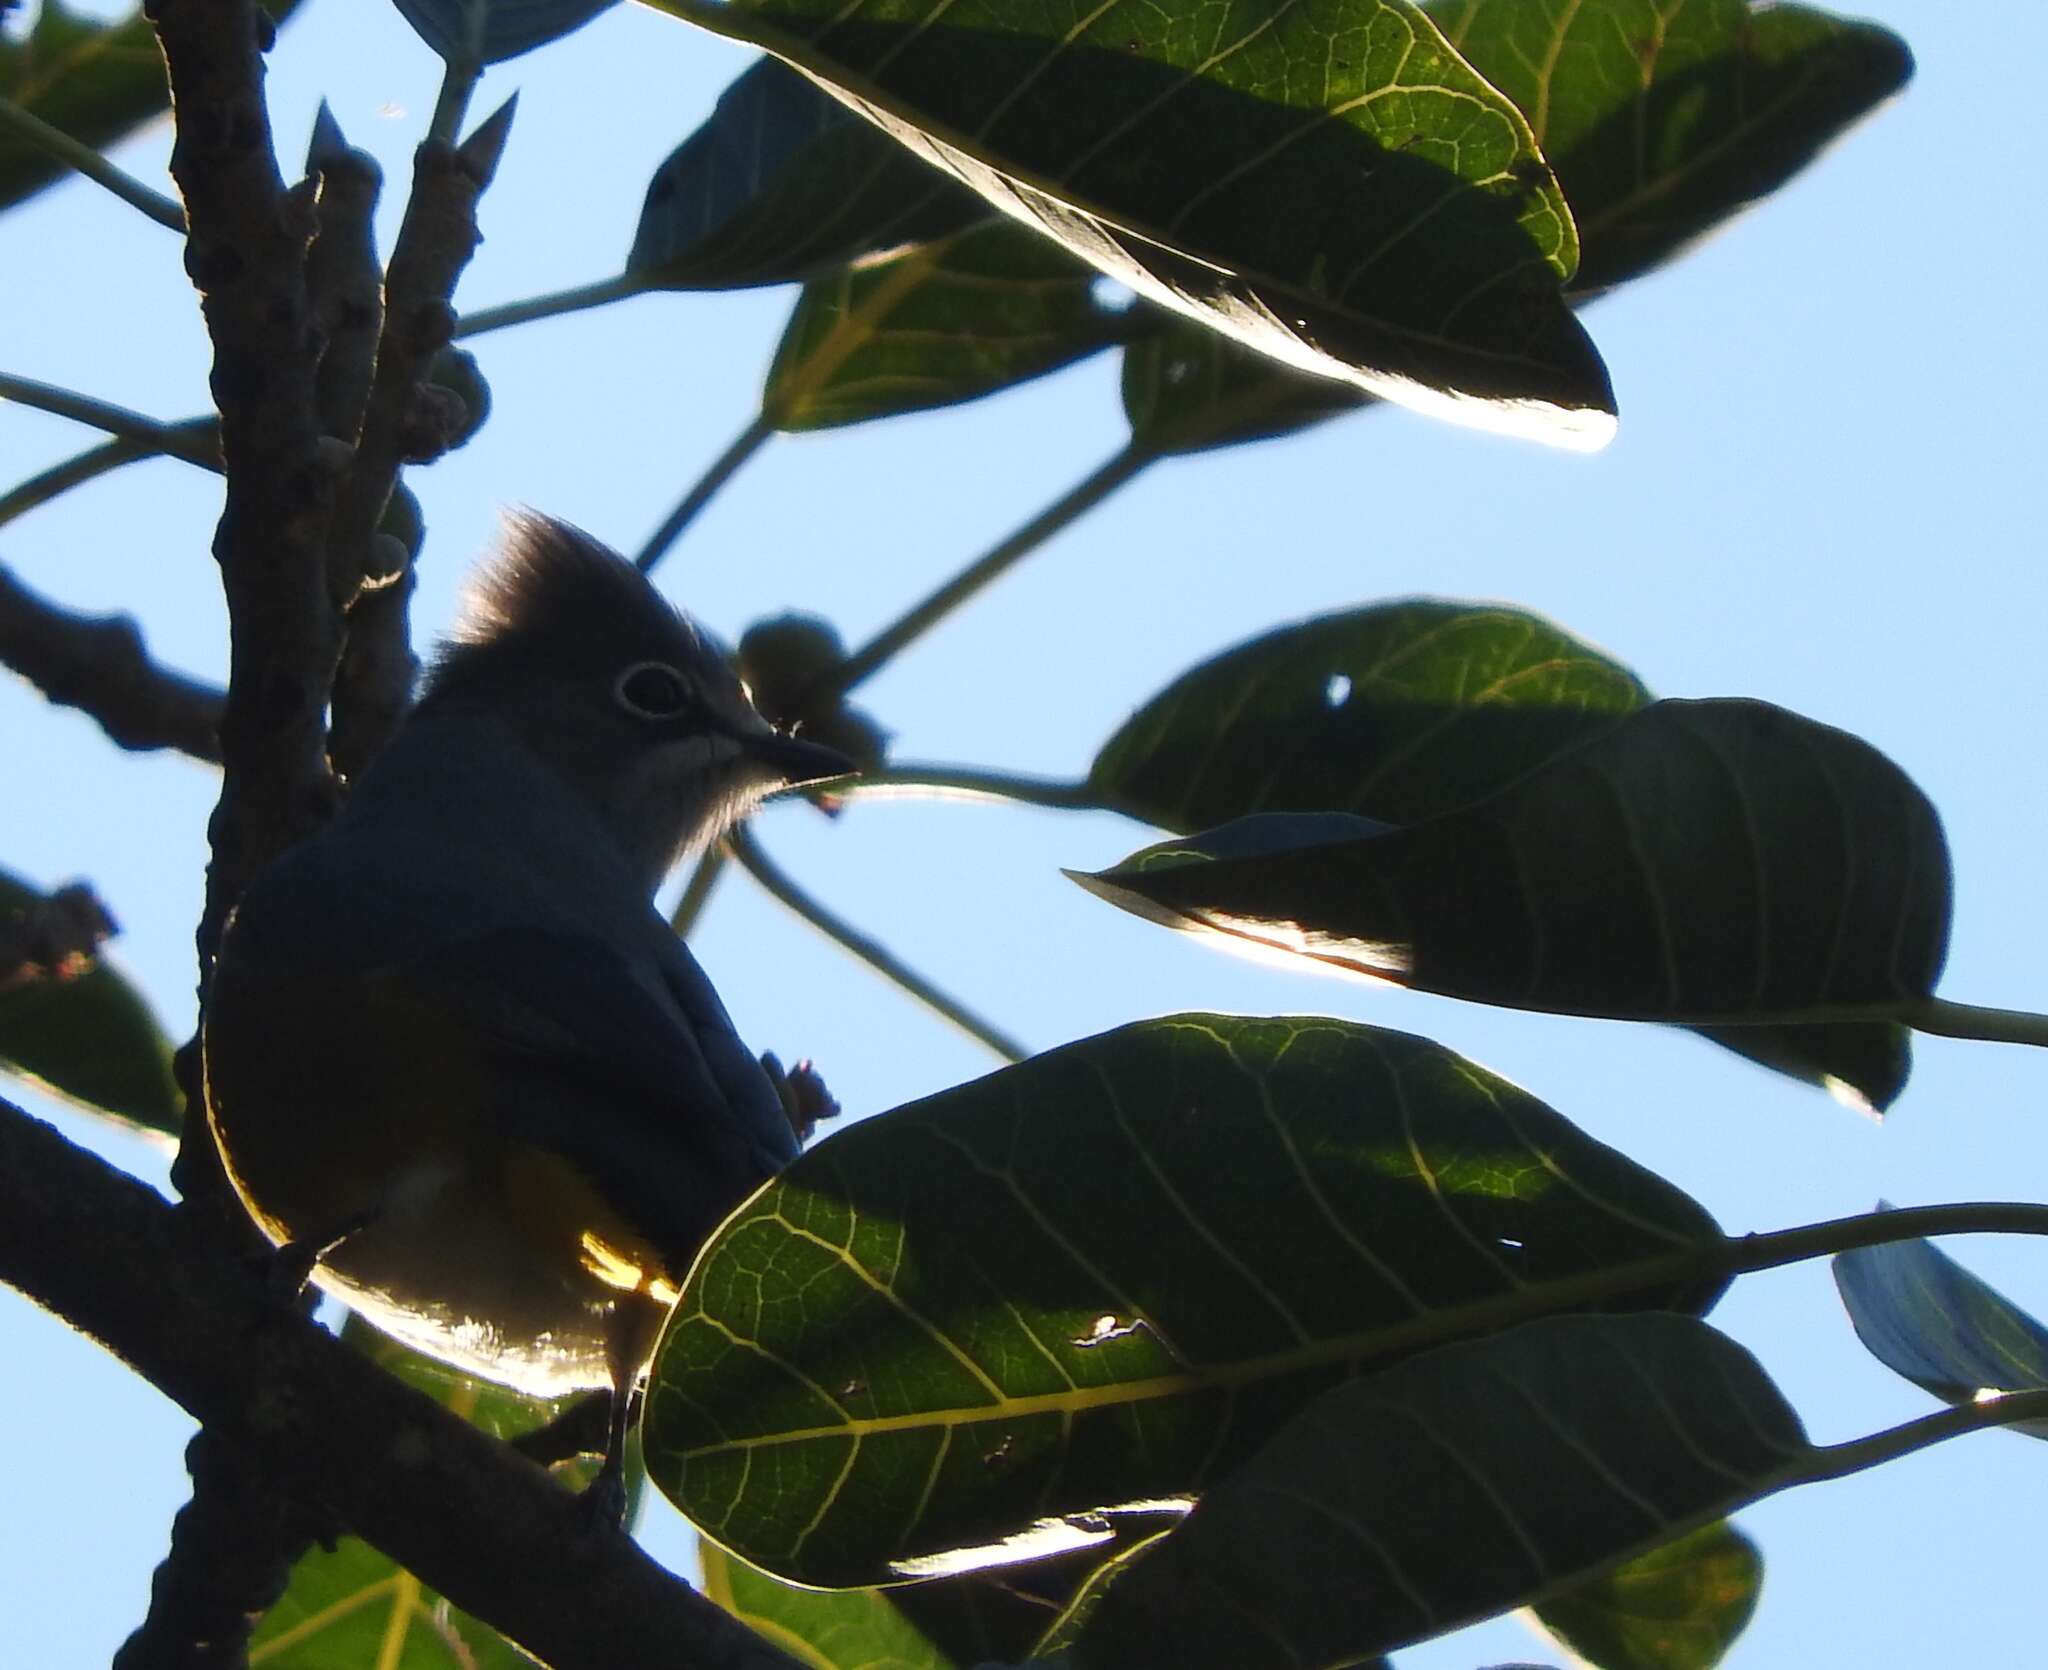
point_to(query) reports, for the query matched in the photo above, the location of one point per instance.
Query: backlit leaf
(782, 183)
(1095, 1280)
(1679, 1607)
(1927, 1319)
(489, 31)
(1543, 1454)
(1720, 861)
(91, 1039)
(1404, 711)
(943, 322)
(1331, 185)
(1663, 122)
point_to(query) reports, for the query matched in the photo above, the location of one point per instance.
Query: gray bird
(451, 1049)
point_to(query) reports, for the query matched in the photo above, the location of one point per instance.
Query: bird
(455, 1062)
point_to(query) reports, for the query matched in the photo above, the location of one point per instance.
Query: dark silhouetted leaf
(1930, 1321)
(785, 183)
(1099, 1278)
(489, 31)
(1543, 1454)
(353, 1606)
(946, 321)
(1662, 126)
(1697, 861)
(1401, 712)
(91, 1039)
(1333, 185)
(1067, 1626)
(1679, 1607)
(95, 81)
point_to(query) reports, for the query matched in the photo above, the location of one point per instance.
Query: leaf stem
(698, 893)
(553, 305)
(884, 962)
(458, 86)
(1082, 497)
(744, 445)
(81, 157)
(970, 783)
(1750, 1253)
(1835, 1461)
(1971, 1020)
(180, 440)
(40, 488)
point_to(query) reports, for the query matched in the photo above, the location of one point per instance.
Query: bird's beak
(796, 761)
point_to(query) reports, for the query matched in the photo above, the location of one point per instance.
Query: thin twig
(877, 956)
(1082, 497)
(458, 86)
(180, 440)
(98, 664)
(697, 893)
(749, 441)
(551, 306)
(82, 158)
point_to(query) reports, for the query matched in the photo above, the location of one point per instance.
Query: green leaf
(831, 1629)
(1398, 711)
(1331, 185)
(91, 1039)
(1662, 122)
(950, 1623)
(352, 1605)
(1404, 711)
(1721, 861)
(96, 81)
(943, 322)
(1930, 1321)
(489, 31)
(785, 183)
(1544, 1454)
(1099, 1278)
(1067, 1626)
(1679, 1607)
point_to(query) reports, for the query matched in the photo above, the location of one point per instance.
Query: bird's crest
(555, 599)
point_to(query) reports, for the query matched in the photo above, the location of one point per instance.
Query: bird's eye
(652, 690)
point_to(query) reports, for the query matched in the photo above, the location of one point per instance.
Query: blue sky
(1823, 493)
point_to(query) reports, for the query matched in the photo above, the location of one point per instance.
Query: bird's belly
(469, 1286)
(486, 1251)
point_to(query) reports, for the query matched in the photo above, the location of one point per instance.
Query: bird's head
(617, 691)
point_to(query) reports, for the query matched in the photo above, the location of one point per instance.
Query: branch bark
(98, 664)
(326, 1427)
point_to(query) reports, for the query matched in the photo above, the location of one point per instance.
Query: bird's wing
(657, 1100)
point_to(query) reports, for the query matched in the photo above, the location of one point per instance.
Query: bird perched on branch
(456, 1063)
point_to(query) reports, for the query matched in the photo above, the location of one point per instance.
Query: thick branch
(323, 1424)
(245, 252)
(97, 664)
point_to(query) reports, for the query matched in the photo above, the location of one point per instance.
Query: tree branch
(97, 664)
(245, 252)
(405, 421)
(53, 938)
(327, 1427)
(76, 154)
